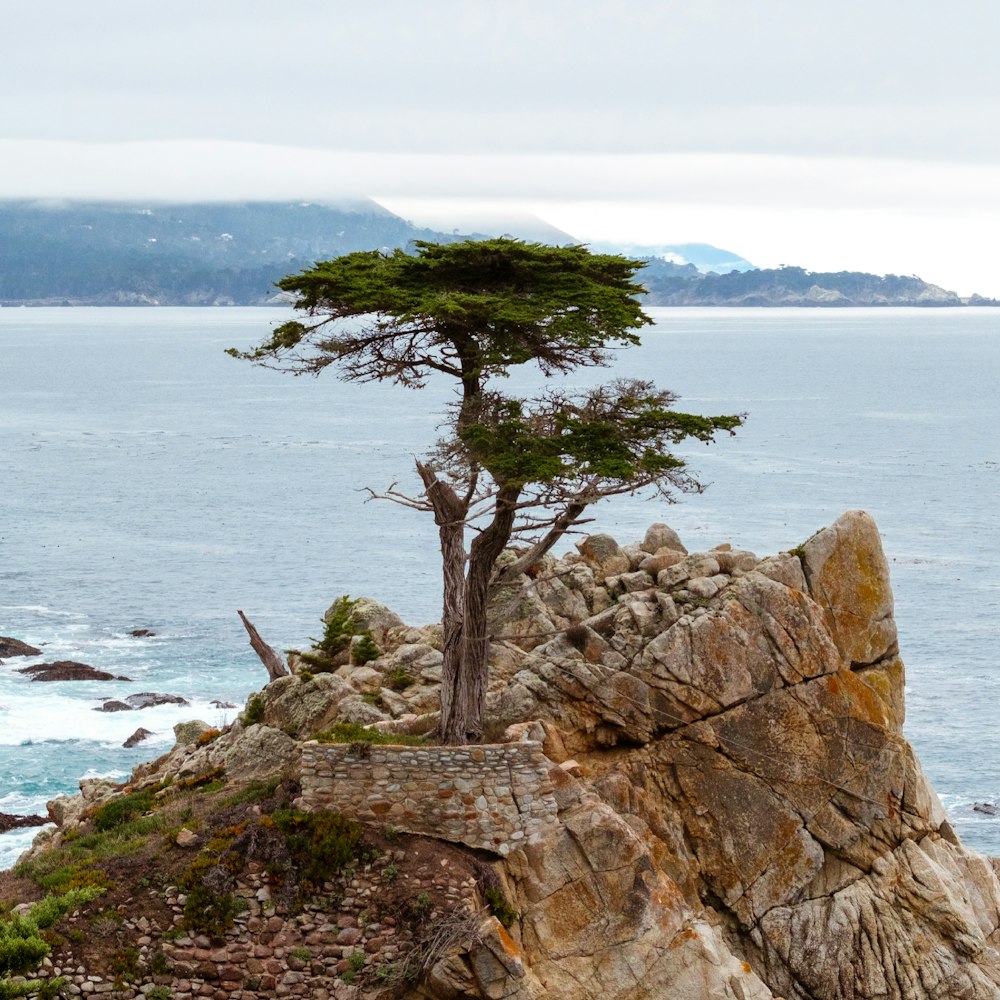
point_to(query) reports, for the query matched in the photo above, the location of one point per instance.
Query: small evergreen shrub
(399, 679)
(254, 712)
(338, 628)
(120, 810)
(364, 650)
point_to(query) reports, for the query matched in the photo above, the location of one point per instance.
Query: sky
(829, 134)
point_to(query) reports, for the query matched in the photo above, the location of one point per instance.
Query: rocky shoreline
(717, 803)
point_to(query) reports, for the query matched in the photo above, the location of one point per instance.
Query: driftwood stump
(270, 659)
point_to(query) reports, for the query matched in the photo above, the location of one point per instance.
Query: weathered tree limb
(270, 659)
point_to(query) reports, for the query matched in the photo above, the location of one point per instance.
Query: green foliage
(352, 732)
(499, 907)
(322, 843)
(159, 993)
(211, 907)
(43, 989)
(21, 947)
(254, 712)
(302, 954)
(255, 791)
(124, 964)
(120, 810)
(48, 910)
(364, 650)
(399, 679)
(390, 873)
(338, 628)
(356, 961)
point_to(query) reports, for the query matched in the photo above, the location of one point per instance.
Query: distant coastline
(131, 254)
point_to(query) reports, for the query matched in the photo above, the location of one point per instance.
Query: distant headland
(71, 253)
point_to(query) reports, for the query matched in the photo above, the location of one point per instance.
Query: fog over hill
(139, 253)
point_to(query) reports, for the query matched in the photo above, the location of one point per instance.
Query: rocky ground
(739, 815)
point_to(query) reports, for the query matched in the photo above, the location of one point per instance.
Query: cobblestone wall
(489, 797)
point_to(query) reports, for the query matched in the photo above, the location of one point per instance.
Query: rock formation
(68, 670)
(731, 810)
(15, 647)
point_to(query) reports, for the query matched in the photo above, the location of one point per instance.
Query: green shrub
(364, 650)
(122, 809)
(356, 961)
(338, 628)
(47, 911)
(21, 948)
(399, 679)
(254, 712)
(322, 843)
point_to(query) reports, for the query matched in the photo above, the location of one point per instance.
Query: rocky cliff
(702, 777)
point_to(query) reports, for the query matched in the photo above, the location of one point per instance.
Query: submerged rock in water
(9, 821)
(142, 633)
(68, 670)
(148, 699)
(14, 647)
(137, 737)
(113, 705)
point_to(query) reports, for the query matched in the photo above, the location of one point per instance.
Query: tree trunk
(449, 515)
(270, 659)
(464, 723)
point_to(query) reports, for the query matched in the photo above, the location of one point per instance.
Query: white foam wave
(15, 842)
(42, 609)
(26, 719)
(19, 804)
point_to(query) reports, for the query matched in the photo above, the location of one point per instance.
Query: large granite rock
(744, 720)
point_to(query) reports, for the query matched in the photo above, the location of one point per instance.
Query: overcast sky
(827, 133)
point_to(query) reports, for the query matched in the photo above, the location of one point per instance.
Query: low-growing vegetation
(351, 732)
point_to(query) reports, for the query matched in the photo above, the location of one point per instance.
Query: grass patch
(351, 732)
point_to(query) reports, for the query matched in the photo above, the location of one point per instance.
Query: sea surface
(149, 481)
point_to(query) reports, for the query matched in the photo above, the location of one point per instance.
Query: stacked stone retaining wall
(489, 797)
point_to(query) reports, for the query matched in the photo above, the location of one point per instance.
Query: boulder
(371, 616)
(659, 537)
(303, 707)
(186, 734)
(142, 633)
(604, 556)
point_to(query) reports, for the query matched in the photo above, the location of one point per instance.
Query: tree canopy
(507, 467)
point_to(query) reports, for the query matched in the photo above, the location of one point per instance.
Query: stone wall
(488, 797)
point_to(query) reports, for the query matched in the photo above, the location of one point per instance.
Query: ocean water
(147, 480)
